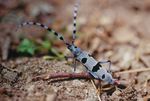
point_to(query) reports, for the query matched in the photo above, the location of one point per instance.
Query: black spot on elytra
(96, 68)
(84, 60)
(103, 76)
(61, 38)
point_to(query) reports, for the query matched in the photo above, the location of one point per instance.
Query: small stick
(84, 75)
(96, 89)
(134, 70)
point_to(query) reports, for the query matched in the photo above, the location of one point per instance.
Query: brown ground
(117, 30)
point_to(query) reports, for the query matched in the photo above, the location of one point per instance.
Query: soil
(108, 29)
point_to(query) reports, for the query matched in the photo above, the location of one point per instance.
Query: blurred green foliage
(27, 47)
(30, 47)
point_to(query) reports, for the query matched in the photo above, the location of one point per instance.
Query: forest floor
(113, 30)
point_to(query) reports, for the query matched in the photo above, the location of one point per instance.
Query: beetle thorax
(74, 50)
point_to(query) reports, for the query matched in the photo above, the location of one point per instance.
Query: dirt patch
(108, 29)
(59, 90)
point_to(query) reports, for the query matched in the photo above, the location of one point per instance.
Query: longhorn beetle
(93, 67)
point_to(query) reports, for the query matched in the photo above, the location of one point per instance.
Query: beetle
(93, 66)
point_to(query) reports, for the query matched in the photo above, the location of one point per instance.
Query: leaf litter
(116, 30)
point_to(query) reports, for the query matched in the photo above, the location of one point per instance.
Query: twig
(84, 75)
(133, 71)
(143, 60)
(96, 89)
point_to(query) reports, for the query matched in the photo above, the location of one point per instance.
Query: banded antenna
(58, 35)
(74, 21)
